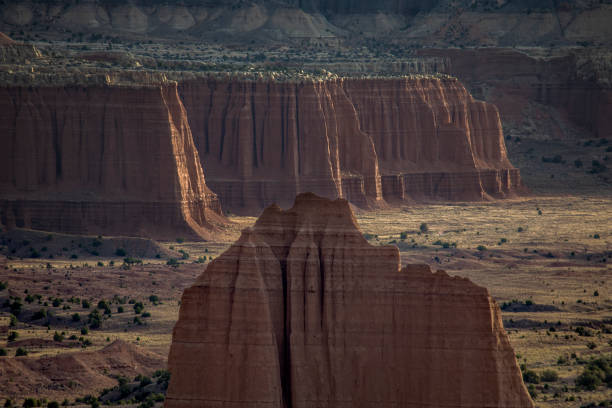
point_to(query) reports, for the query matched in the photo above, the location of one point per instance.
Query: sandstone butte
(369, 140)
(109, 160)
(302, 312)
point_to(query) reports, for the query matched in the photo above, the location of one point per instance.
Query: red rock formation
(302, 312)
(433, 140)
(264, 142)
(362, 139)
(102, 160)
(515, 79)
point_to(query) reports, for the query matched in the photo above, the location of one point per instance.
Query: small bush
(41, 314)
(12, 336)
(58, 337)
(424, 228)
(530, 376)
(481, 248)
(76, 317)
(173, 262)
(3, 352)
(120, 252)
(21, 352)
(138, 307)
(549, 376)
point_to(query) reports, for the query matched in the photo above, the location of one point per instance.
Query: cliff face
(302, 312)
(578, 84)
(264, 142)
(102, 160)
(433, 140)
(368, 140)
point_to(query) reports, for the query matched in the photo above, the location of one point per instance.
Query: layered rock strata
(367, 140)
(578, 84)
(302, 312)
(102, 160)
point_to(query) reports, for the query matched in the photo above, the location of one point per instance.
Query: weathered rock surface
(367, 140)
(577, 84)
(302, 312)
(102, 160)
(450, 22)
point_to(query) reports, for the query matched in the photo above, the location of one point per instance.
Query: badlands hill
(467, 22)
(302, 312)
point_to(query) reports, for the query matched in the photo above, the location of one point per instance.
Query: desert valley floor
(546, 260)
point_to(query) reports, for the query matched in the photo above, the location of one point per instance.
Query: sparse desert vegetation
(548, 273)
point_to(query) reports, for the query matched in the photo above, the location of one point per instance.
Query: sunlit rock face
(371, 141)
(302, 312)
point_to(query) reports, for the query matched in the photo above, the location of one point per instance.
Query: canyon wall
(109, 160)
(578, 84)
(369, 140)
(302, 312)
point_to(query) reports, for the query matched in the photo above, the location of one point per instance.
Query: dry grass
(558, 279)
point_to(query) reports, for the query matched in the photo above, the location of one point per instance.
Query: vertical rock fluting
(102, 160)
(433, 140)
(367, 140)
(265, 141)
(302, 312)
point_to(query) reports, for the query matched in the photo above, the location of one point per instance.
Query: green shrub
(2, 352)
(21, 352)
(76, 317)
(138, 307)
(549, 376)
(530, 376)
(481, 248)
(29, 403)
(423, 228)
(12, 336)
(120, 252)
(173, 262)
(58, 337)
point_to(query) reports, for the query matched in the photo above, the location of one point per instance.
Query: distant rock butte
(102, 160)
(302, 312)
(371, 141)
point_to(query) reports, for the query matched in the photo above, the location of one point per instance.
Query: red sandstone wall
(102, 160)
(262, 142)
(515, 79)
